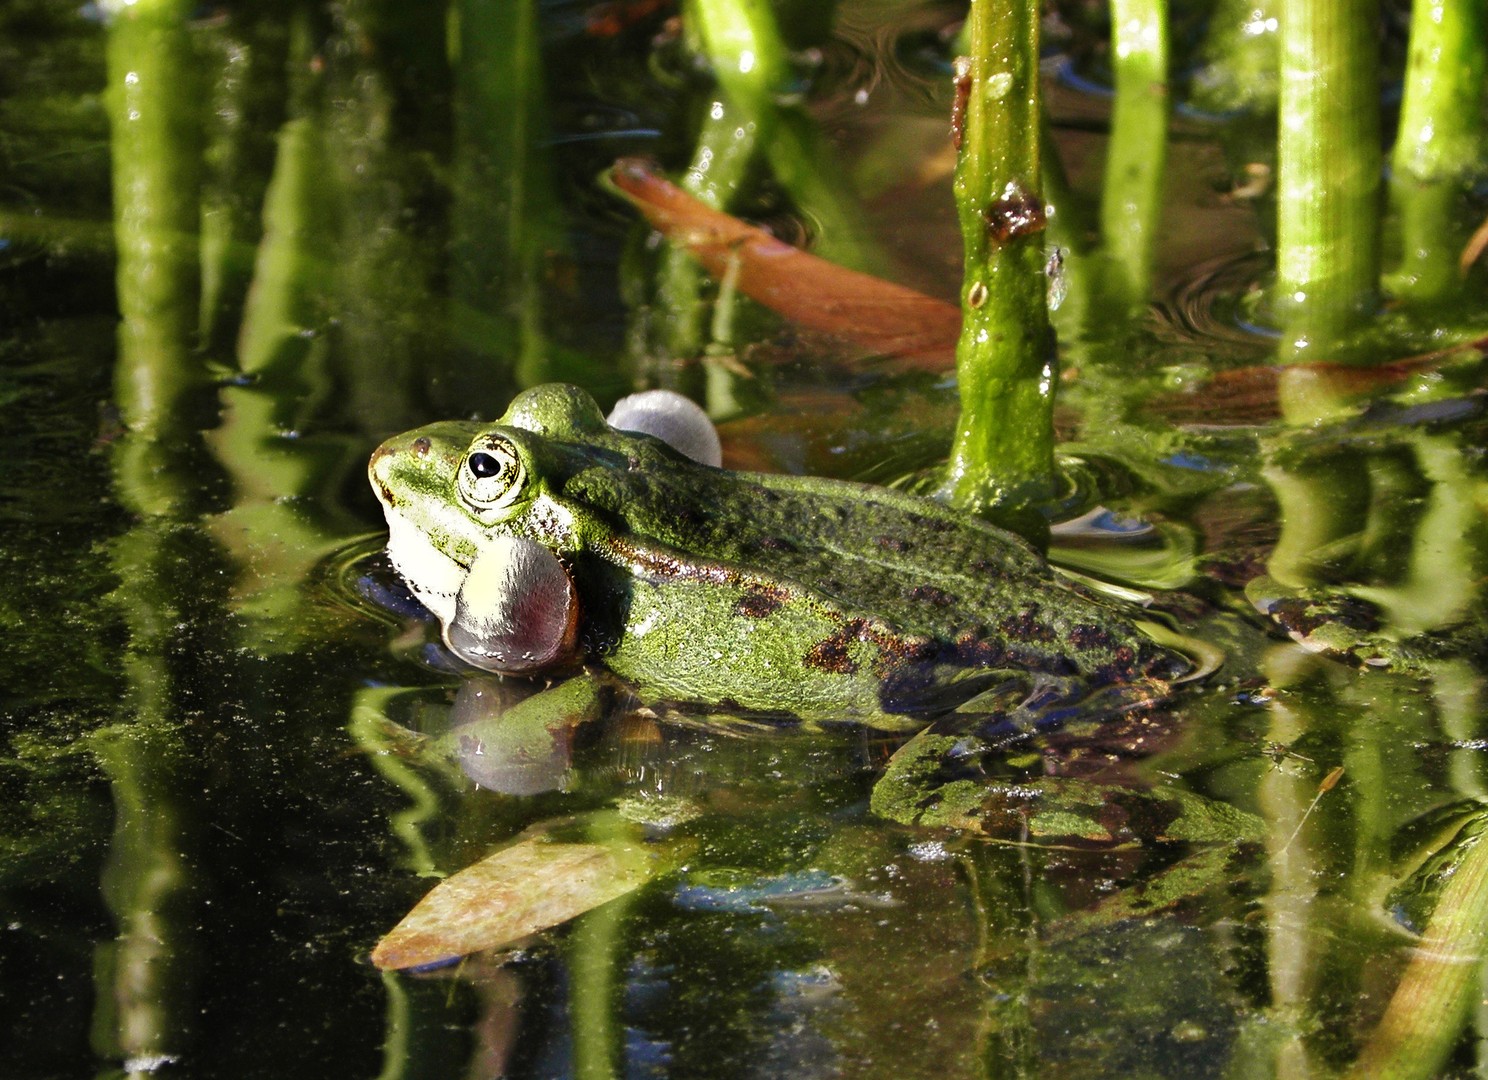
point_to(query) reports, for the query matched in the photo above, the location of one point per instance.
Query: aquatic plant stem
(1441, 115)
(1328, 172)
(1438, 145)
(1002, 456)
(1241, 57)
(1131, 195)
(744, 120)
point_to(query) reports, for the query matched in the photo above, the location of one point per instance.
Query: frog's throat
(434, 577)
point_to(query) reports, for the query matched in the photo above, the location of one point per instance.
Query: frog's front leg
(518, 745)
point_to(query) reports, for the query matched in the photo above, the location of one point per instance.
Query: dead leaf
(1474, 248)
(532, 885)
(877, 315)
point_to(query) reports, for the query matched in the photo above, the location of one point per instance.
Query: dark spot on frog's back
(929, 594)
(830, 654)
(759, 603)
(975, 649)
(1090, 637)
(1026, 626)
(892, 543)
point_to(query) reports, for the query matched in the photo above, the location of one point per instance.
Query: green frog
(551, 542)
(554, 544)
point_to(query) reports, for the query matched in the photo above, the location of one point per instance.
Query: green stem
(1002, 456)
(743, 46)
(1131, 198)
(1441, 116)
(1240, 57)
(1439, 142)
(1328, 156)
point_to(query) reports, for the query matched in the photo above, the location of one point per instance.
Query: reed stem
(1002, 456)
(1439, 143)
(1328, 183)
(1131, 198)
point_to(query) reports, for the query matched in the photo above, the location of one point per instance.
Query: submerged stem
(1437, 149)
(1441, 115)
(1131, 197)
(1003, 451)
(1327, 244)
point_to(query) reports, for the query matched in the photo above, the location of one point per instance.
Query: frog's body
(814, 599)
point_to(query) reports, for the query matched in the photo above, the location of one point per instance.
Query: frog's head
(477, 526)
(449, 488)
(473, 529)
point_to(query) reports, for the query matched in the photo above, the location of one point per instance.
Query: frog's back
(830, 592)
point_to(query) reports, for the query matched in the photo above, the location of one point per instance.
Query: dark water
(216, 298)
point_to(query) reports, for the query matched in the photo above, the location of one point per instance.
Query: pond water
(290, 230)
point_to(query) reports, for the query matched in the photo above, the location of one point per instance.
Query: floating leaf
(878, 315)
(530, 886)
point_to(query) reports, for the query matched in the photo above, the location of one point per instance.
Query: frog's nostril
(420, 446)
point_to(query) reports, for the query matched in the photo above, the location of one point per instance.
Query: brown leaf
(877, 315)
(530, 886)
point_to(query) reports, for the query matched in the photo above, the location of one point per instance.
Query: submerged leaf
(878, 315)
(530, 886)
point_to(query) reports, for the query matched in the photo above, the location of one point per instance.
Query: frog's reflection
(512, 759)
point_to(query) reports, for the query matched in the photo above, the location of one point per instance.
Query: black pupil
(484, 465)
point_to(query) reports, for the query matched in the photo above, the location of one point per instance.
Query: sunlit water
(216, 688)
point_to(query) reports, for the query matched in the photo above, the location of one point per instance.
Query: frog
(590, 557)
(786, 599)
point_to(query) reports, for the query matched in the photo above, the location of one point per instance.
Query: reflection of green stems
(725, 144)
(1004, 443)
(593, 969)
(1446, 556)
(1458, 691)
(154, 116)
(743, 44)
(1321, 501)
(504, 214)
(275, 541)
(284, 305)
(1131, 198)
(145, 973)
(1292, 907)
(1005, 938)
(155, 132)
(1328, 171)
(371, 730)
(246, 103)
(749, 59)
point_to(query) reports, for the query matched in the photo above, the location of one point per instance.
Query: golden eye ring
(492, 474)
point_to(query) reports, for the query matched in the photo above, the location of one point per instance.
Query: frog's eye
(492, 475)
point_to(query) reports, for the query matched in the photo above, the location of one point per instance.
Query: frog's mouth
(434, 577)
